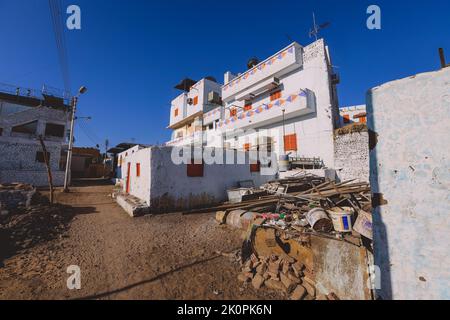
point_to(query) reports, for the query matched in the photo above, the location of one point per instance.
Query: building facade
(25, 115)
(286, 104)
(352, 114)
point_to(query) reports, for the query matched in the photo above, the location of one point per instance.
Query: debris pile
(25, 227)
(284, 274)
(278, 230)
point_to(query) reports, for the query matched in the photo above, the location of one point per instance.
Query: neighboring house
(352, 114)
(87, 163)
(25, 115)
(286, 104)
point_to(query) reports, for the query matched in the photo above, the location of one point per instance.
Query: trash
(319, 220)
(363, 224)
(342, 218)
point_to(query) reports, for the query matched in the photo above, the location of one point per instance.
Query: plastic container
(319, 220)
(342, 218)
(283, 163)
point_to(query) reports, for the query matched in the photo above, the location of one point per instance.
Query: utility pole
(69, 151)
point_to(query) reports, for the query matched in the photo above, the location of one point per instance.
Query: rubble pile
(277, 252)
(25, 227)
(283, 274)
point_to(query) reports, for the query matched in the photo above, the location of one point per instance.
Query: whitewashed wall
(410, 167)
(351, 156)
(165, 185)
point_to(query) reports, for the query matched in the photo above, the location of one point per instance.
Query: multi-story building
(26, 114)
(352, 114)
(188, 109)
(286, 103)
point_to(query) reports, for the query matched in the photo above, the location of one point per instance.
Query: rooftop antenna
(316, 28)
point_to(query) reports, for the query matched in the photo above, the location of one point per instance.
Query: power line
(58, 30)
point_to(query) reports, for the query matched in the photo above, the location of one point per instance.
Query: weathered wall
(165, 185)
(351, 156)
(410, 168)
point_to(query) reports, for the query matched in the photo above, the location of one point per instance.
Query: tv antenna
(316, 28)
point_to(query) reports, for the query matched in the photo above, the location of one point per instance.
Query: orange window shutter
(138, 169)
(363, 120)
(195, 170)
(176, 112)
(346, 118)
(233, 112)
(247, 147)
(255, 167)
(290, 142)
(248, 107)
(195, 100)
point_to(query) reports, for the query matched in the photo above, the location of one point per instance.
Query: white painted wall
(165, 185)
(410, 167)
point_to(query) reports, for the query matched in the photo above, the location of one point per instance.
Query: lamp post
(69, 151)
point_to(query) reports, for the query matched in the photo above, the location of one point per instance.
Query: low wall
(35, 178)
(351, 155)
(166, 186)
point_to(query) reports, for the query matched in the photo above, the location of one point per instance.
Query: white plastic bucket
(342, 219)
(318, 220)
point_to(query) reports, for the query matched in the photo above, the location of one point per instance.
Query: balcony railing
(289, 57)
(294, 104)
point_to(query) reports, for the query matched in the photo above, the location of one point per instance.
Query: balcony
(263, 74)
(187, 106)
(296, 104)
(212, 116)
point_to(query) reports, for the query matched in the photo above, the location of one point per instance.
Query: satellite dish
(253, 62)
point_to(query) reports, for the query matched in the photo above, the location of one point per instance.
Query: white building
(286, 103)
(25, 115)
(352, 114)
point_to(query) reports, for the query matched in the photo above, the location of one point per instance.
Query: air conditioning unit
(214, 98)
(190, 101)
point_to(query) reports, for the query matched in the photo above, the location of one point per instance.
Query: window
(346, 118)
(275, 95)
(363, 119)
(138, 169)
(233, 112)
(1, 131)
(40, 157)
(54, 130)
(255, 167)
(195, 101)
(290, 142)
(194, 169)
(247, 147)
(28, 128)
(176, 112)
(248, 106)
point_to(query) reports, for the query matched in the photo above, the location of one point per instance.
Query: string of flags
(264, 107)
(259, 68)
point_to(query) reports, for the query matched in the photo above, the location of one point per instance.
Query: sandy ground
(152, 257)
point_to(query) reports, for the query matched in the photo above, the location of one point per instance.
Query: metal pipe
(442, 58)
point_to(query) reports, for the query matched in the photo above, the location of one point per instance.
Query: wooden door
(128, 177)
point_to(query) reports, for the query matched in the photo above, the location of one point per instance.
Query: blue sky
(130, 54)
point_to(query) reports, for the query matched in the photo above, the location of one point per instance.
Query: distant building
(352, 114)
(26, 114)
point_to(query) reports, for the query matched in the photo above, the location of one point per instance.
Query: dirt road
(152, 257)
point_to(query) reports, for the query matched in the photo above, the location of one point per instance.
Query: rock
(309, 280)
(332, 296)
(261, 268)
(275, 285)
(308, 298)
(298, 293)
(293, 277)
(274, 267)
(288, 283)
(309, 288)
(244, 277)
(258, 281)
(321, 297)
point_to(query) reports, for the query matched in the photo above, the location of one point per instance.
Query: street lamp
(81, 91)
